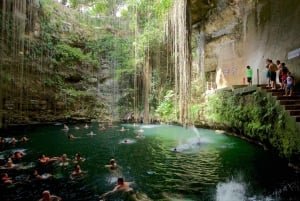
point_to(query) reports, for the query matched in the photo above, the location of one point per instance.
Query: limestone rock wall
(247, 32)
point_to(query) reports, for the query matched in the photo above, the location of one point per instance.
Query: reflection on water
(162, 162)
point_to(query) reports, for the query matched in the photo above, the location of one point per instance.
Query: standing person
(290, 83)
(272, 69)
(249, 74)
(268, 75)
(279, 67)
(284, 72)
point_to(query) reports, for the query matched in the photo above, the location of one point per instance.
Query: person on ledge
(290, 84)
(272, 68)
(249, 73)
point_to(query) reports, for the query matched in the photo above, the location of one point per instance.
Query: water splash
(231, 191)
(196, 131)
(237, 191)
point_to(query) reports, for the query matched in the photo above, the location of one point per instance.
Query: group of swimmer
(15, 155)
(43, 161)
(91, 133)
(12, 140)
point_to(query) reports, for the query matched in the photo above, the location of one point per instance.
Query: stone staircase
(290, 103)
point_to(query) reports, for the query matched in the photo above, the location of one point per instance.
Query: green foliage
(55, 81)
(166, 109)
(195, 109)
(67, 54)
(256, 116)
(100, 8)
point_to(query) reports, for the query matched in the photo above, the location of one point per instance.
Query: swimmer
(45, 159)
(24, 139)
(102, 128)
(140, 131)
(113, 165)
(46, 196)
(64, 158)
(36, 175)
(2, 140)
(71, 136)
(139, 136)
(66, 128)
(123, 129)
(6, 179)
(17, 155)
(78, 158)
(13, 140)
(91, 133)
(76, 128)
(9, 163)
(121, 186)
(77, 171)
(86, 126)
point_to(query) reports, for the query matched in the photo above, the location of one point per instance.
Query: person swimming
(45, 159)
(66, 128)
(123, 129)
(102, 128)
(78, 158)
(13, 141)
(91, 133)
(9, 163)
(113, 165)
(6, 179)
(24, 139)
(17, 155)
(77, 171)
(35, 175)
(121, 186)
(46, 196)
(71, 136)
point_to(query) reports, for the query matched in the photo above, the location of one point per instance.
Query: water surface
(206, 165)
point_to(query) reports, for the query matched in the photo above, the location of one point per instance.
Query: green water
(208, 166)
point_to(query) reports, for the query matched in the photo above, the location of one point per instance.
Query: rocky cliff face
(50, 65)
(237, 33)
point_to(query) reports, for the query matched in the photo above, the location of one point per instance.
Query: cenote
(207, 166)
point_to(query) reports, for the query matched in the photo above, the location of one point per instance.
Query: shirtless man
(48, 197)
(77, 171)
(6, 179)
(113, 165)
(45, 159)
(121, 186)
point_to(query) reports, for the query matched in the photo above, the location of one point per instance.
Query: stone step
(295, 112)
(292, 107)
(293, 97)
(289, 102)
